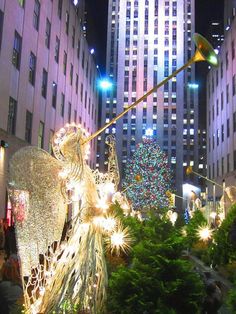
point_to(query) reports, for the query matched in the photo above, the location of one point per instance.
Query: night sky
(206, 11)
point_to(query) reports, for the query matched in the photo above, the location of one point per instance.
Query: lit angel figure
(172, 216)
(204, 233)
(53, 183)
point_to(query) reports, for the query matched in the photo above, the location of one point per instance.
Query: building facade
(146, 41)
(48, 77)
(221, 115)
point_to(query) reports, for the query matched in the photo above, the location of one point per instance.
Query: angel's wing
(38, 204)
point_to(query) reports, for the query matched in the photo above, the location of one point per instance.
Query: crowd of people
(11, 292)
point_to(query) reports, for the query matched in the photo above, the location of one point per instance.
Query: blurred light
(75, 2)
(213, 60)
(92, 51)
(193, 85)
(105, 84)
(204, 233)
(149, 132)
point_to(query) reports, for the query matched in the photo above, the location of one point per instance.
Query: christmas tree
(148, 177)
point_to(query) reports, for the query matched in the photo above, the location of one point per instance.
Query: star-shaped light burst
(204, 233)
(120, 240)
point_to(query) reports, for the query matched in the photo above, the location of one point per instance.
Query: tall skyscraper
(48, 77)
(146, 41)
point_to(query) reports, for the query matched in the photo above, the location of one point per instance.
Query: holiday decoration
(150, 165)
(55, 270)
(204, 233)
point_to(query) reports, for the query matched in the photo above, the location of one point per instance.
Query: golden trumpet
(204, 52)
(189, 170)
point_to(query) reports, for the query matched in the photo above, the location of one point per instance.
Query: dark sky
(97, 25)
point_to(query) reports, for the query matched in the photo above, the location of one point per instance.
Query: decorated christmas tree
(148, 177)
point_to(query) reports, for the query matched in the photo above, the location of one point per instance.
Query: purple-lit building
(221, 111)
(148, 40)
(47, 76)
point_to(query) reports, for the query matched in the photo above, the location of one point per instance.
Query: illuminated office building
(148, 40)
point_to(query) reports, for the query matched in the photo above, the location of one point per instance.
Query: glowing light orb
(204, 233)
(120, 240)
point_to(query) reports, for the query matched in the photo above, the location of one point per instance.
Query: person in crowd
(10, 241)
(11, 292)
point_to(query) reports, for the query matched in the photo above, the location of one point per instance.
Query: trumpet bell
(205, 50)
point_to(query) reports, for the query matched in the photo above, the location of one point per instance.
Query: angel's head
(68, 144)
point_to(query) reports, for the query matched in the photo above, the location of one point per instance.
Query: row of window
(216, 137)
(12, 118)
(214, 170)
(222, 100)
(219, 73)
(16, 56)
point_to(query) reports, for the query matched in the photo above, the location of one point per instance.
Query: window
(71, 73)
(62, 104)
(227, 60)
(1, 26)
(83, 60)
(40, 134)
(67, 22)
(221, 69)
(32, 68)
(75, 116)
(64, 62)
(228, 129)
(16, 56)
(54, 94)
(228, 164)
(57, 49)
(222, 133)
(222, 100)
(36, 14)
(73, 37)
(233, 49)
(234, 84)
(78, 48)
(69, 112)
(227, 93)
(11, 123)
(44, 83)
(48, 34)
(76, 84)
(81, 91)
(59, 8)
(51, 134)
(28, 126)
(234, 121)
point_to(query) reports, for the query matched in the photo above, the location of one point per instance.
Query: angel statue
(41, 187)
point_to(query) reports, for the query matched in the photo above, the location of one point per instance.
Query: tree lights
(147, 176)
